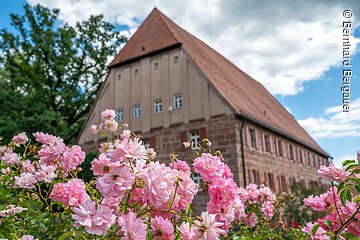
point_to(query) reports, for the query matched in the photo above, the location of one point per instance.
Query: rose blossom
(319, 234)
(209, 167)
(19, 139)
(108, 114)
(116, 182)
(268, 209)
(26, 180)
(27, 166)
(70, 193)
(95, 220)
(212, 228)
(110, 125)
(133, 228)
(187, 232)
(162, 228)
(316, 203)
(11, 210)
(72, 157)
(102, 165)
(251, 220)
(95, 128)
(159, 184)
(27, 237)
(45, 173)
(47, 139)
(10, 158)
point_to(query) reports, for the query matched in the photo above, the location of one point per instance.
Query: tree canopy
(50, 71)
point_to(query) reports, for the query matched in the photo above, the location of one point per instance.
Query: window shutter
(202, 133)
(152, 142)
(183, 138)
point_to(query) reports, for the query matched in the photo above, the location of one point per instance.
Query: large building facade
(171, 87)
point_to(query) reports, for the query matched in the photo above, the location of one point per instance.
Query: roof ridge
(162, 18)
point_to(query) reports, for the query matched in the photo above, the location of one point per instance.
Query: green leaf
(345, 195)
(315, 229)
(65, 235)
(357, 188)
(351, 167)
(357, 198)
(328, 223)
(347, 162)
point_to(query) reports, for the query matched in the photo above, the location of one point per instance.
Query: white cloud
(335, 123)
(282, 44)
(338, 161)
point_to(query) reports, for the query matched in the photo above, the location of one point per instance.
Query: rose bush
(133, 196)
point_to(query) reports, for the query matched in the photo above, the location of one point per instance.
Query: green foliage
(294, 210)
(50, 72)
(86, 173)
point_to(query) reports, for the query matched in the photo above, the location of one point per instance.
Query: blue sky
(298, 60)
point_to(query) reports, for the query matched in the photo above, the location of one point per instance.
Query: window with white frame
(176, 59)
(177, 101)
(146, 143)
(119, 115)
(136, 111)
(194, 137)
(157, 106)
(198, 180)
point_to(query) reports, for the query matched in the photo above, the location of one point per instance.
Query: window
(275, 148)
(177, 101)
(255, 177)
(252, 138)
(271, 181)
(194, 137)
(308, 158)
(119, 77)
(267, 144)
(156, 66)
(281, 154)
(301, 156)
(157, 106)
(283, 183)
(119, 115)
(136, 111)
(197, 179)
(176, 59)
(136, 72)
(291, 152)
(146, 143)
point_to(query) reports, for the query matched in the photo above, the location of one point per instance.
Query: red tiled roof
(246, 96)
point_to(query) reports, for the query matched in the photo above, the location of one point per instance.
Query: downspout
(242, 151)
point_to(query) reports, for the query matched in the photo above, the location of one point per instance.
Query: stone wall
(224, 134)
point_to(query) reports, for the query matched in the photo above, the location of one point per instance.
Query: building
(170, 86)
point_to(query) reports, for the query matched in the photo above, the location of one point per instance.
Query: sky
(294, 48)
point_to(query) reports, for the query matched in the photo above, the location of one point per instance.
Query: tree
(50, 71)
